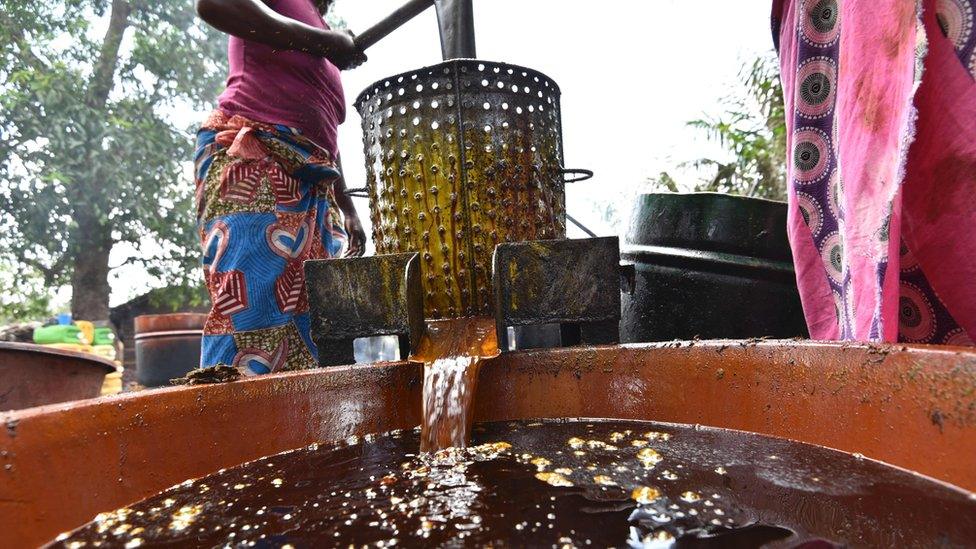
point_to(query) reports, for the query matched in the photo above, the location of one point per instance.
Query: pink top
(286, 87)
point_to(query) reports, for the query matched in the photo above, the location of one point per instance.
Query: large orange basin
(914, 407)
(33, 375)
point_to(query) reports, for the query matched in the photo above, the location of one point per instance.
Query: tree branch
(19, 38)
(103, 77)
(130, 261)
(48, 273)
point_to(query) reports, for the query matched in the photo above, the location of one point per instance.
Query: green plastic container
(60, 333)
(104, 336)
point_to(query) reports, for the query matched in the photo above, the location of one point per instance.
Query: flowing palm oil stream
(452, 351)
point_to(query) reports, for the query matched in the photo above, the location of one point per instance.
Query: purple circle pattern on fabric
(811, 155)
(815, 168)
(832, 253)
(958, 337)
(819, 23)
(955, 18)
(811, 212)
(913, 277)
(908, 261)
(817, 87)
(916, 315)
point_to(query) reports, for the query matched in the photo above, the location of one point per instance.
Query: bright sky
(632, 72)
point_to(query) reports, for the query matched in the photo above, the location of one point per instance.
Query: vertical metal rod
(456, 20)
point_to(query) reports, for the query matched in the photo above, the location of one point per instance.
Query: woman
(881, 116)
(268, 191)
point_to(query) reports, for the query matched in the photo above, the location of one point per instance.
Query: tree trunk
(91, 240)
(90, 289)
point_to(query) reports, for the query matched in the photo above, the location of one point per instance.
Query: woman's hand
(340, 48)
(356, 245)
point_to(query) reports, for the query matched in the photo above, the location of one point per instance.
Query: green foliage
(89, 155)
(178, 297)
(23, 296)
(752, 129)
(334, 20)
(664, 182)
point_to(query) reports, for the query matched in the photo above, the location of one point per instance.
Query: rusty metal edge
(150, 324)
(456, 65)
(31, 348)
(883, 401)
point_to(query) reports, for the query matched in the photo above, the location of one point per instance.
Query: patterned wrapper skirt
(881, 118)
(265, 205)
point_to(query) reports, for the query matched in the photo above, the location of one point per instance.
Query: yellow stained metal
(460, 157)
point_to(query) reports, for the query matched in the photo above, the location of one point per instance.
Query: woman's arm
(253, 20)
(350, 218)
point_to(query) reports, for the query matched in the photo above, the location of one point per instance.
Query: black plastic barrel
(167, 346)
(711, 266)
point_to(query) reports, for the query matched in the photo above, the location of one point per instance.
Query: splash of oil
(452, 351)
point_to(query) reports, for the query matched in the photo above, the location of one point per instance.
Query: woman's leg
(257, 226)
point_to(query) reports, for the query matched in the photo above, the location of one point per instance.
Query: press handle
(391, 23)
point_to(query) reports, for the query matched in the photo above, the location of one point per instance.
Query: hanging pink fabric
(881, 124)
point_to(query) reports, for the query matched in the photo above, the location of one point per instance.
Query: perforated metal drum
(461, 156)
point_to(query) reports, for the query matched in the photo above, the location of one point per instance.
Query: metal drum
(461, 156)
(711, 266)
(167, 346)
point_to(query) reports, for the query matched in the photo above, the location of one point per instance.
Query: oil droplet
(690, 497)
(645, 494)
(498, 446)
(648, 457)
(540, 463)
(553, 479)
(599, 444)
(184, 516)
(661, 538)
(604, 480)
(720, 470)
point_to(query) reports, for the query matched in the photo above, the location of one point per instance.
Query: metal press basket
(461, 156)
